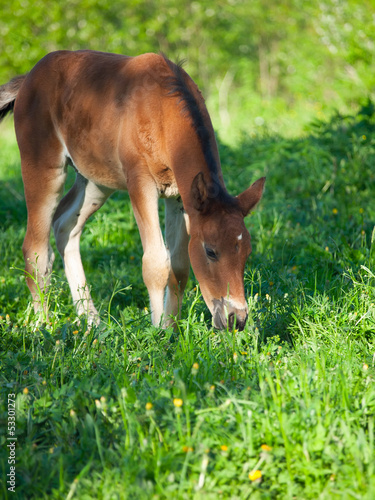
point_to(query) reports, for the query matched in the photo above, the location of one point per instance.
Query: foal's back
(100, 111)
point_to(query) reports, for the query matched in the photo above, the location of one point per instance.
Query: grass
(284, 409)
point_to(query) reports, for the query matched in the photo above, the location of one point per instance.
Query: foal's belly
(109, 171)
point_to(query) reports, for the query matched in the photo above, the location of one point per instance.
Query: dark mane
(177, 86)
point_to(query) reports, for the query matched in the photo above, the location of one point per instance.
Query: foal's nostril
(240, 323)
(231, 320)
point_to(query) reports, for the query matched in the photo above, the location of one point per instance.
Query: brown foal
(138, 124)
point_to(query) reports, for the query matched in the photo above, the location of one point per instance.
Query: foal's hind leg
(43, 185)
(177, 241)
(75, 208)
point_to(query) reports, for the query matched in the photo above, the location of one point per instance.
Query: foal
(138, 124)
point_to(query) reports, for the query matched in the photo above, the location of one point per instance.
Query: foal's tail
(8, 94)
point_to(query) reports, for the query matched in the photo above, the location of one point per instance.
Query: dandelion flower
(75, 332)
(186, 449)
(148, 406)
(265, 447)
(335, 211)
(254, 475)
(224, 447)
(178, 402)
(365, 367)
(26, 390)
(195, 366)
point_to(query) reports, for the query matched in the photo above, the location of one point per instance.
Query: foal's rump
(81, 105)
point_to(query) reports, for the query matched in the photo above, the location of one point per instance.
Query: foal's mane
(194, 105)
(178, 86)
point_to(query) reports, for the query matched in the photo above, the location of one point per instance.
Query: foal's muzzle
(226, 315)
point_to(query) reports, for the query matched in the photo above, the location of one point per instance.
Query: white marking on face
(239, 237)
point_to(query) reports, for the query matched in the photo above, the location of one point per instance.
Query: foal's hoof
(93, 320)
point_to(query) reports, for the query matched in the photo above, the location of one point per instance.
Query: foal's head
(219, 247)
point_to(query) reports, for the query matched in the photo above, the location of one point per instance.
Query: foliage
(253, 59)
(283, 409)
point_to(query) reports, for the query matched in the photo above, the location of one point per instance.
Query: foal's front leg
(156, 261)
(177, 240)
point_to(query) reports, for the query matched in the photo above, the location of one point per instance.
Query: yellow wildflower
(178, 402)
(224, 447)
(26, 390)
(148, 406)
(265, 447)
(254, 475)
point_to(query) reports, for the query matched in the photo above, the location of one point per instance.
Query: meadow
(283, 410)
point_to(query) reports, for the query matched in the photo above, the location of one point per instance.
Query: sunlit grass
(284, 409)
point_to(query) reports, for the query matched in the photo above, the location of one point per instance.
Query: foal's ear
(199, 192)
(252, 196)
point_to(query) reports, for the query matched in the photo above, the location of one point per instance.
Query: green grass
(299, 378)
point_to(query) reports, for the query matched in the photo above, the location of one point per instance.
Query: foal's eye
(211, 254)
